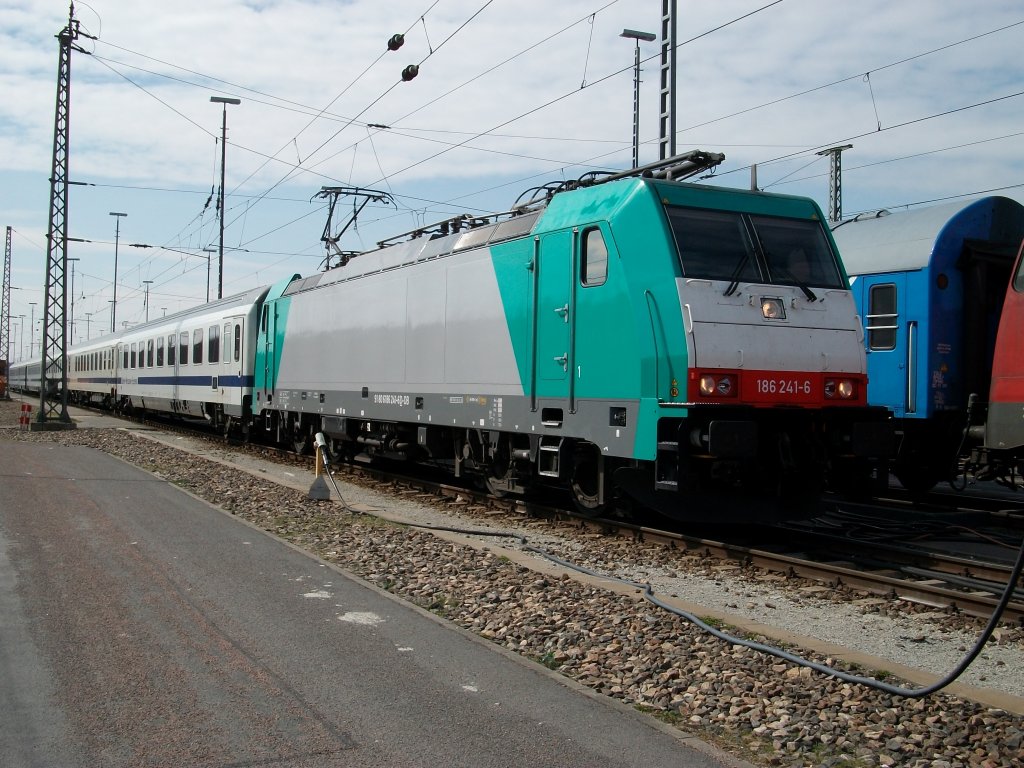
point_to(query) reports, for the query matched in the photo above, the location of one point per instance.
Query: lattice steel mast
(835, 182)
(667, 117)
(5, 319)
(53, 403)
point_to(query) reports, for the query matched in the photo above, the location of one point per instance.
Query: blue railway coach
(930, 285)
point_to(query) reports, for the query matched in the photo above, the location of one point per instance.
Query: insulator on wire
(397, 41)
(410, 72)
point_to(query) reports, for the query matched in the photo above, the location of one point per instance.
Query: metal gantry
(53, 398)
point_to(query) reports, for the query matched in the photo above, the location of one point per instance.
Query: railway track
(918, 574)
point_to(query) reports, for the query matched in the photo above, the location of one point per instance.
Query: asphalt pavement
(140, 626)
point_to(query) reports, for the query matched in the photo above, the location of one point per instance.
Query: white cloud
(287, 60)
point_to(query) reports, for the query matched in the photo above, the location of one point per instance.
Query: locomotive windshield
(727, 245)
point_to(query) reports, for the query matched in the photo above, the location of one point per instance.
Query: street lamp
(208, 252)
(147, 283)
(647, 37)
(88, 326)
(224, 101)
(71, 314)
(117, 237)
(32, 331)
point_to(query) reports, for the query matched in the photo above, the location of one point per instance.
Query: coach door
(893, 344)
(553, 323)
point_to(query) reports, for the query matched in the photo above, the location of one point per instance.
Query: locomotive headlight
(720, 385)
(839, 389)
(773, 309)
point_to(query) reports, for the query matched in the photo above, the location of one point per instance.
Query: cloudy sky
(510, 94)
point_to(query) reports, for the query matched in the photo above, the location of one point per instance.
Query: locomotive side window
(183, 348)
(594, 264)
(160, 352)
(170, 350)
(197, 346)
(796, 251)
(713, 244)
(882, 317)
(213, 348)
(238, 342)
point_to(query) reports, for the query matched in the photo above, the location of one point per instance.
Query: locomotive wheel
(586, 481)
(301, 438)
(918, 479)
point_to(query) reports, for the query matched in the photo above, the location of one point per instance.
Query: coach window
(160, 352)
(213, 351)
(133, 354)
(594, 264)
(882, 319)
(183, 348)
(238, 342)
(197, 346)
(124, 361)
(149, 353)
(170, 350)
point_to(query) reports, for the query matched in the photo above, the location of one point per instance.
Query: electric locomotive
(930, 286)
(997, 443)
(631, 335)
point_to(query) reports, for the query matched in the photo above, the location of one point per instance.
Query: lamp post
(147, 284)
(209, 253)
(224, 101)
(117, 238)
(71, 313)
(32, 330)
(88, 327)
(647, 37)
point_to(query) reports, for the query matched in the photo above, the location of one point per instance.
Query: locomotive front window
(797, 252)
(713, 244)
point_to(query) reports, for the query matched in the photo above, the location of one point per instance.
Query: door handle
(564, 360)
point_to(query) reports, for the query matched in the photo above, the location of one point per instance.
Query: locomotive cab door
(553, 321)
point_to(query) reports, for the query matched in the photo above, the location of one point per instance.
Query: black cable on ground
(648, 594)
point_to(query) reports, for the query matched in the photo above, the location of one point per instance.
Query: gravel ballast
(761, 708)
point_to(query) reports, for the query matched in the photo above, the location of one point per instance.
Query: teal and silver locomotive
(636, 336)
